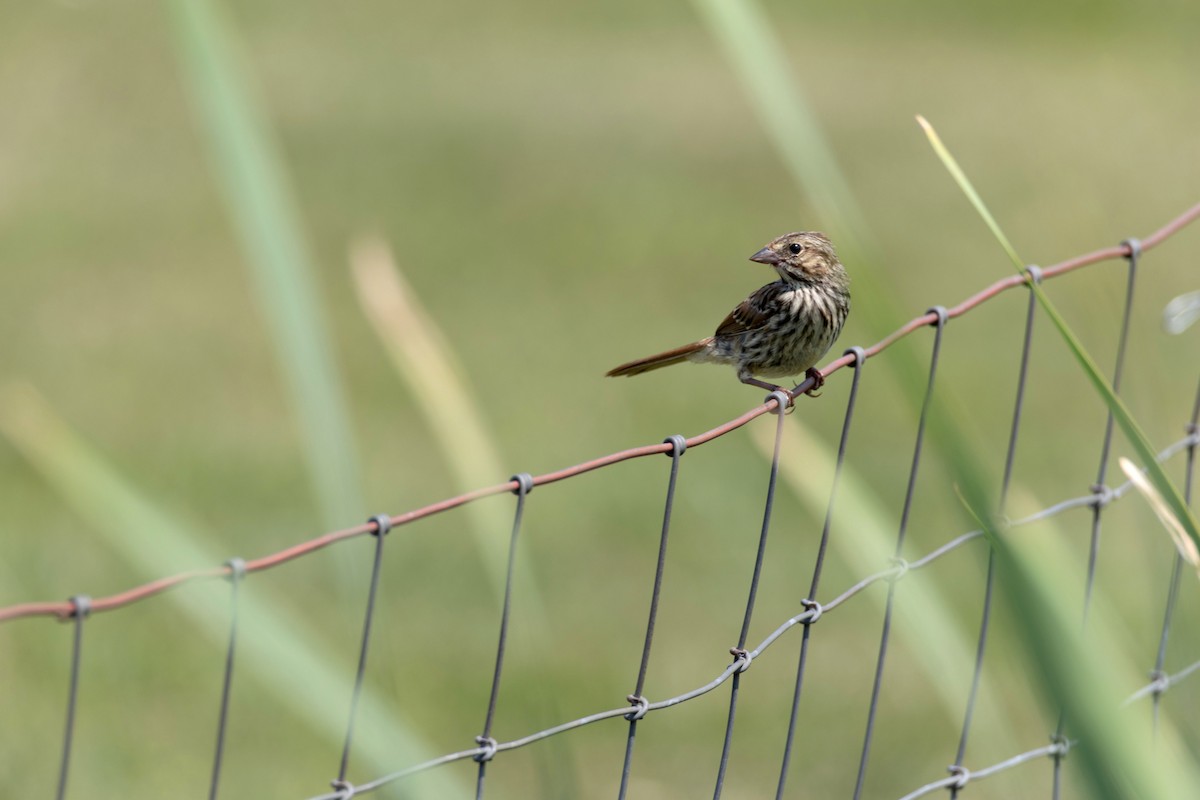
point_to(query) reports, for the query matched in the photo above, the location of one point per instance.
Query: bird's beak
(766, 256)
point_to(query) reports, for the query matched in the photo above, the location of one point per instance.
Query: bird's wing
(753, 312)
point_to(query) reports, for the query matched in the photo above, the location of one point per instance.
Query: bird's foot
(770, 387)
(818, 381)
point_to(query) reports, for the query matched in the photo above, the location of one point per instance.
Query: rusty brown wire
(63, 609)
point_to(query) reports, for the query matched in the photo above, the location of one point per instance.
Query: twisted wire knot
(1060, 746)
(344, 788)
(1103, 495)
(643, 705)
(489, 746)
(742, 658)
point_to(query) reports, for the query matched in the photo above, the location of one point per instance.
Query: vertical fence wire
(383, 523)
(485, 740)
(1160, 659)
(1099, 488)
(83, 605)
(78, 608)
(940, 327)
(1035, 276)
(782, 401)
(237, 571)
(860, 362)
(678, 446)
(1135, 250)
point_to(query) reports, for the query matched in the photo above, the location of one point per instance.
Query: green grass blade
(251, 176)
(1115, 748)
(968, 189)
(1090, 676)
(157, 542)
(1133, 432)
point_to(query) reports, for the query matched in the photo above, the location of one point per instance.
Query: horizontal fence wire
(78, 608)
(810, 615)
(963, 776)
(64, 609)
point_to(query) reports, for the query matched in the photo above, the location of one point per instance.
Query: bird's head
(803, 257)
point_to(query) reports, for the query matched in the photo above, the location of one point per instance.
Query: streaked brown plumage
(782, 329)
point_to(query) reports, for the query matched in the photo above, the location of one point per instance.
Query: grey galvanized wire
(1056, 750)
(137, 594)
(485, 740)
(808, 615)
(1101, 497)
(382, 524)
(1134, 253)
(678, 447)
(909, 493)
(961, 777)
(1161, 683)
(237, 572)
(1035, 275)
(1189, 482)
(741, 659)
(82, 605)
(860, 362)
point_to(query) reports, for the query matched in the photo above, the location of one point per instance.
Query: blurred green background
(566, 186)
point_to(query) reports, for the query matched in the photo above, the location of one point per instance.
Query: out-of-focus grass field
(567, 186)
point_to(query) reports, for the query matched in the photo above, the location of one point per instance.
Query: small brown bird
(783, 328)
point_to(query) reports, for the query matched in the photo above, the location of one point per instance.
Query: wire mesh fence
(637, 707)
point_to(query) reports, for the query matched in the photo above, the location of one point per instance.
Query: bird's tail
(676, 356)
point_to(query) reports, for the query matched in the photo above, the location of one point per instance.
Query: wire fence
(1099, 497)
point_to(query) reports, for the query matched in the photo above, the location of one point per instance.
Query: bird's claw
(818, 381)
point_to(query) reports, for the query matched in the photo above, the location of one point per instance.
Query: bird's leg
(818, 381)
(750, 380)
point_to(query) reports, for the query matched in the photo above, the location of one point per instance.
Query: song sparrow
(781, 329)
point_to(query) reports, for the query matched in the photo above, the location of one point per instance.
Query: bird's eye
(796, 247)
